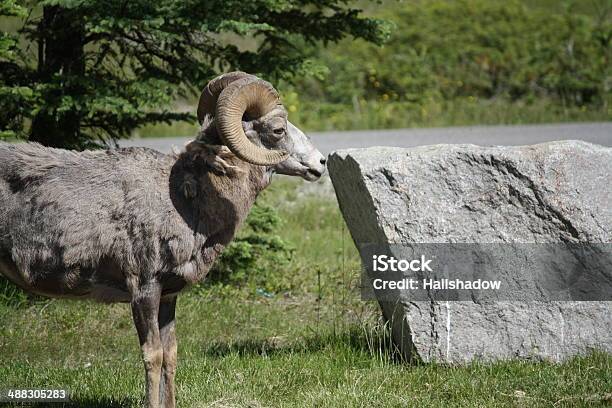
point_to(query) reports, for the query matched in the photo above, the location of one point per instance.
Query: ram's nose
(316, 167)
(319, 168)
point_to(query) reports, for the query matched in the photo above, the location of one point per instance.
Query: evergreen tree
(82, 73)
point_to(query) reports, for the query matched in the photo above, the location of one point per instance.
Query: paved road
(600, 133)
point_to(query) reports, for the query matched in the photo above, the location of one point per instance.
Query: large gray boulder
(556, 192)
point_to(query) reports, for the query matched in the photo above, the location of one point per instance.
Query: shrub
(256, 256)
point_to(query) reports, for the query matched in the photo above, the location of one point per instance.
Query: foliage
(256, 255)
(86, 72)
(11, 97)
(448, 52)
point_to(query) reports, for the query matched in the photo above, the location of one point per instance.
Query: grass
(458, 112)
(270, 353)
(316, 345)
(314, 116)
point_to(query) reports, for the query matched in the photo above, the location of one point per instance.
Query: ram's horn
(208, 98)
(252, 96)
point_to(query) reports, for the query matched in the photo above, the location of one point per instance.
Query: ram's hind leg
(145, 309)
(167, 330)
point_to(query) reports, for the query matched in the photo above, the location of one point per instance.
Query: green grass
(459, 112)
(316, 116)
(315, 345)
(278, 352)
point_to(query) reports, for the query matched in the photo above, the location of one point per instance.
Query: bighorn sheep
(134, 225)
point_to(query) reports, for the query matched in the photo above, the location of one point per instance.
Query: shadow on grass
(375, 341)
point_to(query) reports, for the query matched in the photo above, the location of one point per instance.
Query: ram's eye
(279, 131)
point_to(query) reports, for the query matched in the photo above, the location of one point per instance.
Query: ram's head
(250, 120)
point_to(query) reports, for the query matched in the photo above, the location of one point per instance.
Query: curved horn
(256, 98)
(208, 97)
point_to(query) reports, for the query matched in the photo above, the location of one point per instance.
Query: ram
(134, 225)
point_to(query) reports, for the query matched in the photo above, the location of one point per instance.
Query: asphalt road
(327, 142)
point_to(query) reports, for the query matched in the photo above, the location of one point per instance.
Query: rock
(557, 192)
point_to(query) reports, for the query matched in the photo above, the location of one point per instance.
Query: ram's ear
(214, 156)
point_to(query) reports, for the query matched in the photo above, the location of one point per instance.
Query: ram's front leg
(167, 330)
(145, 309)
